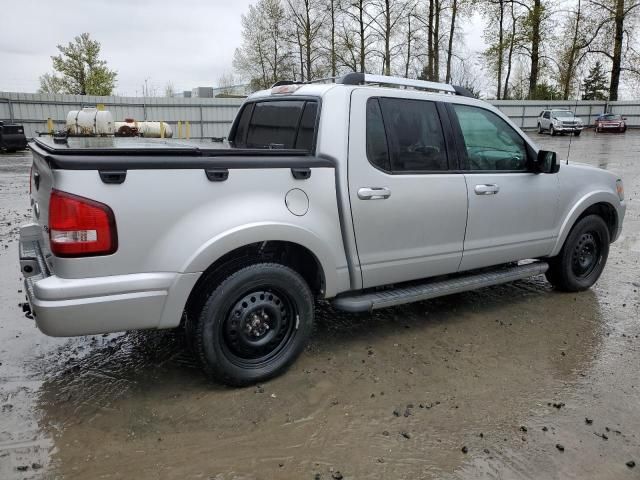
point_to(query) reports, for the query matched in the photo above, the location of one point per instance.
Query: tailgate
(41, 184)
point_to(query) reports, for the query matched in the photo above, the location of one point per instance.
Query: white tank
(152, 129)
(89, 121)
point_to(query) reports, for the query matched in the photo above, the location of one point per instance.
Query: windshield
(562, 113)
(610, 116)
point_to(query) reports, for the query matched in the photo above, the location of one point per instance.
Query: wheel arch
(597, 203)
(293, 255)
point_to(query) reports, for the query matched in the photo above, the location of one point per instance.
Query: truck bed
(97, 153)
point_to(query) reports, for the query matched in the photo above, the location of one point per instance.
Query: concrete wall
(212, 117)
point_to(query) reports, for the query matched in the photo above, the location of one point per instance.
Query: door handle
(487, 189)
(374, 193)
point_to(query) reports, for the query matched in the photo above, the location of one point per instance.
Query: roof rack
(357, 78)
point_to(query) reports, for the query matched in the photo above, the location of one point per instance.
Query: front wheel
(254, 324)
(583, 256)
(577, 133)
(552, 131)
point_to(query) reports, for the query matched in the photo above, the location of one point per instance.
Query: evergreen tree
(595, 84)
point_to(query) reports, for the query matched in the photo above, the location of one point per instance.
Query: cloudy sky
(188, 43)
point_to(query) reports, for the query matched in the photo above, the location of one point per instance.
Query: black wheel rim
(259, 326)
(586, 255)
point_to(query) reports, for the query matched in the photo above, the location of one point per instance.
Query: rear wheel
(254, 324)
(583, 256)
(539, 128)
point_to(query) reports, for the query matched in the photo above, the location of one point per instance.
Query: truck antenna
(575, 111)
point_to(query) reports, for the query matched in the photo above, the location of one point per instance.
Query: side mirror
(546, 162)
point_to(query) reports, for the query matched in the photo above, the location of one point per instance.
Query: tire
(539, 128)
(577, 133)
(583, 256)
(552, 131)
(254, 324)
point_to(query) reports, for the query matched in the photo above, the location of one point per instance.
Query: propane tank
(153, 129)
(89, 121)
(128, 128)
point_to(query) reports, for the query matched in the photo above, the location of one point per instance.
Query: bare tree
(386, 16)
(308, 19)
(264, 56)
(169, 89)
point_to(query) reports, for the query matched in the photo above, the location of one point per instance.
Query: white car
(559, 121)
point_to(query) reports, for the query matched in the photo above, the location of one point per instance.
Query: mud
(515, 381)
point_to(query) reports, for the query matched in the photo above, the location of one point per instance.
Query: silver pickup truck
(355, 191)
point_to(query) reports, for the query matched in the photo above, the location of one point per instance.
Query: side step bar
(366, 302)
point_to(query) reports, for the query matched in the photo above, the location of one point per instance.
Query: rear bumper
(85, 306)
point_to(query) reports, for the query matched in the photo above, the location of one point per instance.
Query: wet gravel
(514, 381)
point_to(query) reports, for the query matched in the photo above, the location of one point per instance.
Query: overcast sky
(189, 43)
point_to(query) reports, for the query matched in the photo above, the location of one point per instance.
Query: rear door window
(414, 135)
(277, 124)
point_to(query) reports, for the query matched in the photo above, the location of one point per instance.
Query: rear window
(277, 124)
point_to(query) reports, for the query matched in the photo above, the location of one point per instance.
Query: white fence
(212, 117)
(208, 117)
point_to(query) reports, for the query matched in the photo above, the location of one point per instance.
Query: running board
(366, 302)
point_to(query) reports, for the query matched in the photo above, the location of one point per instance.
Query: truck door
(409, 209)
(512, 211)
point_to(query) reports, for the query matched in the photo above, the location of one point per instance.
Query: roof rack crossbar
(325, 79)
(356, 78)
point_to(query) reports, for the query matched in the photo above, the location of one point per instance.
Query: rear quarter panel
(179, 221)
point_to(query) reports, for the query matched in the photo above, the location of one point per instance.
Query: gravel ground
(514, 381)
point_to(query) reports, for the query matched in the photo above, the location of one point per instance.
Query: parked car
(610, 122)
(364, 195)
(12, 137)
(559, 121)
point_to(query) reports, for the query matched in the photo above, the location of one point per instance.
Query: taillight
(80, 227)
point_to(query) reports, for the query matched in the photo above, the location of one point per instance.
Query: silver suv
(559, 121)
(354, 192)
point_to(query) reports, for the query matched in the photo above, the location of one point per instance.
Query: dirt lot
(515, 381)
